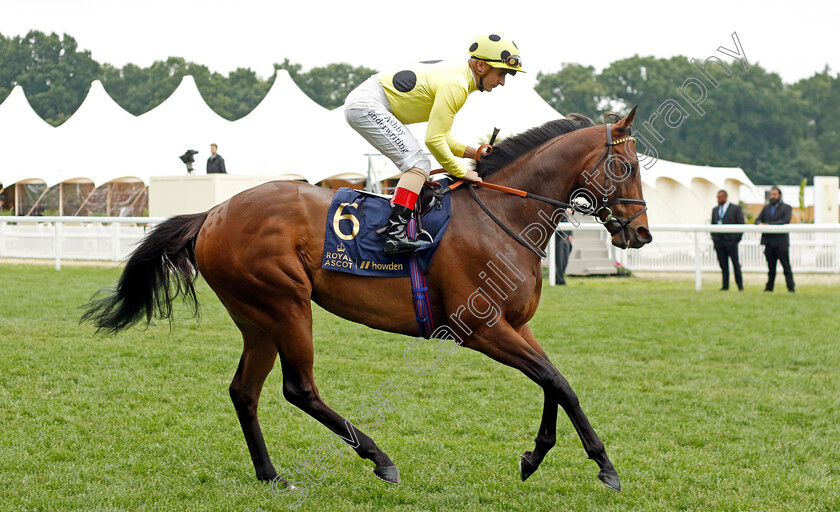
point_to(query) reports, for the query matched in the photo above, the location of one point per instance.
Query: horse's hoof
(610, 478)
(388, 474)
(280, 486)
(526, 467)
(268, 477)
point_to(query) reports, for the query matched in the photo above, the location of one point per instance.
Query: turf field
(706, 401)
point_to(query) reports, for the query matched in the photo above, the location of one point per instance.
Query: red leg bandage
(404, 197)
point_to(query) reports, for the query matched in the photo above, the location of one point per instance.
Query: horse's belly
(381, 303)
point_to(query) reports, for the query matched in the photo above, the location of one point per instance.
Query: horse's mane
(513, 147)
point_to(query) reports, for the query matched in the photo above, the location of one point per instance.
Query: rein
(608, 182)
(537, 250)
(508, 190)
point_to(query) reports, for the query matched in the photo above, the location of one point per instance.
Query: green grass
(705, 401)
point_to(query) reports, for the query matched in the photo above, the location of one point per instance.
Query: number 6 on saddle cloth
(352, 244)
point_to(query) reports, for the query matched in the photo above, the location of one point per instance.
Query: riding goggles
(512, 61)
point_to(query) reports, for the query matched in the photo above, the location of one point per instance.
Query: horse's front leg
(545, 440)
(560, 392)
(521, 350)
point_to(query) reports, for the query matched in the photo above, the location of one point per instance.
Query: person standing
(215, 164)
(726, 244)
(562, 251)
(776, 245)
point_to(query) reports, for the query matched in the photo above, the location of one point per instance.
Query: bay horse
(261, 250)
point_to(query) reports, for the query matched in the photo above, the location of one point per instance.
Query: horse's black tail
(159, 270)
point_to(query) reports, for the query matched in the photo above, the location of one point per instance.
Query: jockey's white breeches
(368, 111)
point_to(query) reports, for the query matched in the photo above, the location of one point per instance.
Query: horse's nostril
(644, 235)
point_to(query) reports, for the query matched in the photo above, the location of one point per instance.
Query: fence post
(552, 267)
(57, 240)
(698, 281)
(115, 241)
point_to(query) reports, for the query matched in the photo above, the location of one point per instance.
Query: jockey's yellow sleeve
(432, 92)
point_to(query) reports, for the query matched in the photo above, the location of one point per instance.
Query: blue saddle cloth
(351, 244)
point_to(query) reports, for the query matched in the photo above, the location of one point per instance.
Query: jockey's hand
(472, 176)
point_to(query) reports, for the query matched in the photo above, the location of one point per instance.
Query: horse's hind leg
(296, 358)
(257, 360)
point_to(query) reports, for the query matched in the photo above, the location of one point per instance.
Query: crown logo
(340, 247)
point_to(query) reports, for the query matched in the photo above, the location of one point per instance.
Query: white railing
(72, 238)
(814, 248)
(676, 248)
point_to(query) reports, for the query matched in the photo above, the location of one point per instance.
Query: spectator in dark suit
(215, 164)
(726, 244)
(776, 245)
(562, 251)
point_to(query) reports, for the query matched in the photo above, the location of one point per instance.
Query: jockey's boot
(397, 241)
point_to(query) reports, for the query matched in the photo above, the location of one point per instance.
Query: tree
(327, 85)
(644, 81)
(139, 90)
(6, 79)
(750, 120)
(820, 152)
(236, 95)
(777, 133)
(54, 74)
(293, 69)
(574, 88)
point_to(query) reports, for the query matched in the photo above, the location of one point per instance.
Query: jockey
(380, 107)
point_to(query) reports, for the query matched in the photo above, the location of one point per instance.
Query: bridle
(608, 183)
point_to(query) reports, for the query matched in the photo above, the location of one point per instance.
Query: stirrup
(404, 250)
(428, 235)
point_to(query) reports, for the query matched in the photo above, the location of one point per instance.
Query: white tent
(353, 150)
(27, 142)
(95, 141)
(183, 121)
(513, 108)
(288, 136)
(685, 194)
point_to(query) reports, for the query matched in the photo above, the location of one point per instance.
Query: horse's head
(611, 186)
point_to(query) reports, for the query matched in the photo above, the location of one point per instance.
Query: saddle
(429, 197)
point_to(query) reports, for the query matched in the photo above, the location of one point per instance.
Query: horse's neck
(549, 170)
(550, 173)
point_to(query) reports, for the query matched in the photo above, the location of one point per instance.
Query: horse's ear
(628, 119)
